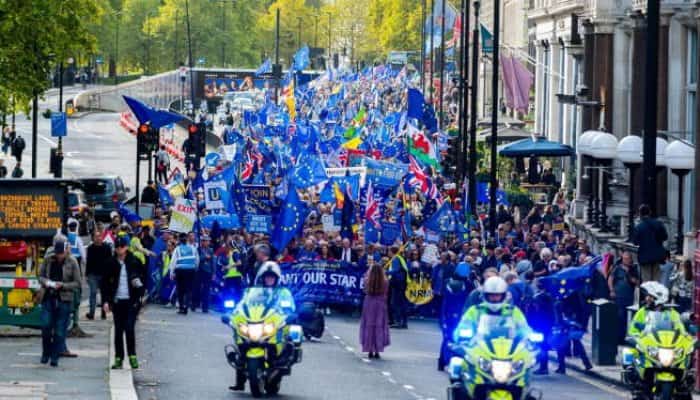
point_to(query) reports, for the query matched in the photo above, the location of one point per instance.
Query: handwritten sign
(183, 216)
(31, 211)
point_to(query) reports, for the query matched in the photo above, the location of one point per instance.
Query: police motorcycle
(494, 358)
(658, 365)
(265, 343)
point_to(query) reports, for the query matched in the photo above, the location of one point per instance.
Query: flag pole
(494, 117)
(432, 52)
(471, 200)
(422, 48)
(442, 63)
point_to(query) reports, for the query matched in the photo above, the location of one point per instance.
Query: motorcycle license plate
(255, 353)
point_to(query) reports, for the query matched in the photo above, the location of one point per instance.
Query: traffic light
(202, 139)
(451, 159)
(146, 139)
(197, 140)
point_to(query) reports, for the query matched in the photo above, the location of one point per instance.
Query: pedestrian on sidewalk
(122, 288)
(162, 165)
(683, 286)
(622, 282)
(59, 276)
(98, 255)
(649, 235)
(374, 323)
(183, 266)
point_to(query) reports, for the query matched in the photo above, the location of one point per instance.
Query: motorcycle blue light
(536, 337)
(465, 333)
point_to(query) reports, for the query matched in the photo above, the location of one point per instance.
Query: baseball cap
(121, 242)
(59, 247)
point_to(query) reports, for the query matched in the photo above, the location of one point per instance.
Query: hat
(59, 247)
(121, 242)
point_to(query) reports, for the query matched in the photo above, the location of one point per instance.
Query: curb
(121, 381)
(592, 374)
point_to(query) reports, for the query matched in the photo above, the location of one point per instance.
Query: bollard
(604, 335)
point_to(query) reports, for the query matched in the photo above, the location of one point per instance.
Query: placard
(31, 210)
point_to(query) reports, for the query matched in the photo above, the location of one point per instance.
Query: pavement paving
(22, 377)
(182, 358)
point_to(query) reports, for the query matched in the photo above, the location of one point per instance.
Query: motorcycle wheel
(456, 393)
(255, 376)
(664, 391)
(273, 387)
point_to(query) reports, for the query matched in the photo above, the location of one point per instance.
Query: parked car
(103, 193)
(13, 251)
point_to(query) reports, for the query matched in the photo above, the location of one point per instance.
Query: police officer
(457, 288)
(269, 276)
(183, 266)
(494, 302)
(230, 263)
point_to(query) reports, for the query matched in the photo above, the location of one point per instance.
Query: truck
(32, 211)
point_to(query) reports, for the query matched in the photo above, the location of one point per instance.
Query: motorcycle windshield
(658, 321)
(493, 326)
(259, 296)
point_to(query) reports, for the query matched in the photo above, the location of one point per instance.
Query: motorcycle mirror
(225, 319)
(631, 342)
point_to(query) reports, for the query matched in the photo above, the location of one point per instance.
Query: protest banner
(330, 283)
(183, 216)
(419, 291)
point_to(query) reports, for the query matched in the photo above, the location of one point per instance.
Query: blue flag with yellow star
(290, 221)
(567, 281)
(309, 171)
(443, 221)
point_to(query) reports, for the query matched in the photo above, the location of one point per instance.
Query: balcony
(641, 5)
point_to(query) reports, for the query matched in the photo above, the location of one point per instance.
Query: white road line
(386, 373)
(47, 140)
(409, 387)
(392, 380)
(336, 337)
(350, 349)
(367, 360)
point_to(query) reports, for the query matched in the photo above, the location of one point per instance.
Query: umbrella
(536, 147)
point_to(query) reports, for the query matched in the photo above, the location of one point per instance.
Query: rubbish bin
(604, 336)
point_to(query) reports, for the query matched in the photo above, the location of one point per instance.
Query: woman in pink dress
(374, 324)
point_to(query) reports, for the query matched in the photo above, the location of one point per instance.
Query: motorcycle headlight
(255, 331)
(666, 357)
(268, 329)
(484, 364)
(229, 303)
(501, 370)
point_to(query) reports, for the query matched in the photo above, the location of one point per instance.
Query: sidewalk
(23, 377)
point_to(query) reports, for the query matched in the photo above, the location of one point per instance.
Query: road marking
(350, 349)
(409, 387)
(367, 360)
(47, 140)
(386, 373)
(392, 380)
(336, 337)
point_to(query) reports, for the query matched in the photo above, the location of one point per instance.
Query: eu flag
(415, 104)
(290, 221)
(309, 171)
(443, 221)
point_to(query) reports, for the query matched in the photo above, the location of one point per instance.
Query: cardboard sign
(183, 216)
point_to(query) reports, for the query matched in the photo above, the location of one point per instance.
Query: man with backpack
(18, 145)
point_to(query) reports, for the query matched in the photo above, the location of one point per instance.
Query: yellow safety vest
(166, 263)
(232, 272)
(136, 253)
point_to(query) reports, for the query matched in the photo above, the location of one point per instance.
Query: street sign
(58, 124)
(99, 60)
(201, 60)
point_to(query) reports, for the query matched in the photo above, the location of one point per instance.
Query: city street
(183, 358)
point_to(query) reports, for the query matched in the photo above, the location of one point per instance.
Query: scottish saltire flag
(264, 68)
(301, 59)
(290, 221)
(482, 194)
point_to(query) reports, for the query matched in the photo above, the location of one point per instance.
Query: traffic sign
(201, 60)
(58, 124)
(99, 60)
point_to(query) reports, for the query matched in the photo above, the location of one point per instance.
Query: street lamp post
(629, 151)
(116, 48)
(604, 148)
(471, 200)
(583, 149)
(680, 158)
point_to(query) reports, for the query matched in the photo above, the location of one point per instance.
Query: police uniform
(183, 263)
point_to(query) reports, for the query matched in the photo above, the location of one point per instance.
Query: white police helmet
(495, 286)
(268, 268)
(657, 291)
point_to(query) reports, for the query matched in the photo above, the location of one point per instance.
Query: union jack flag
(372, 214)
(248, 168)
(422, 182)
